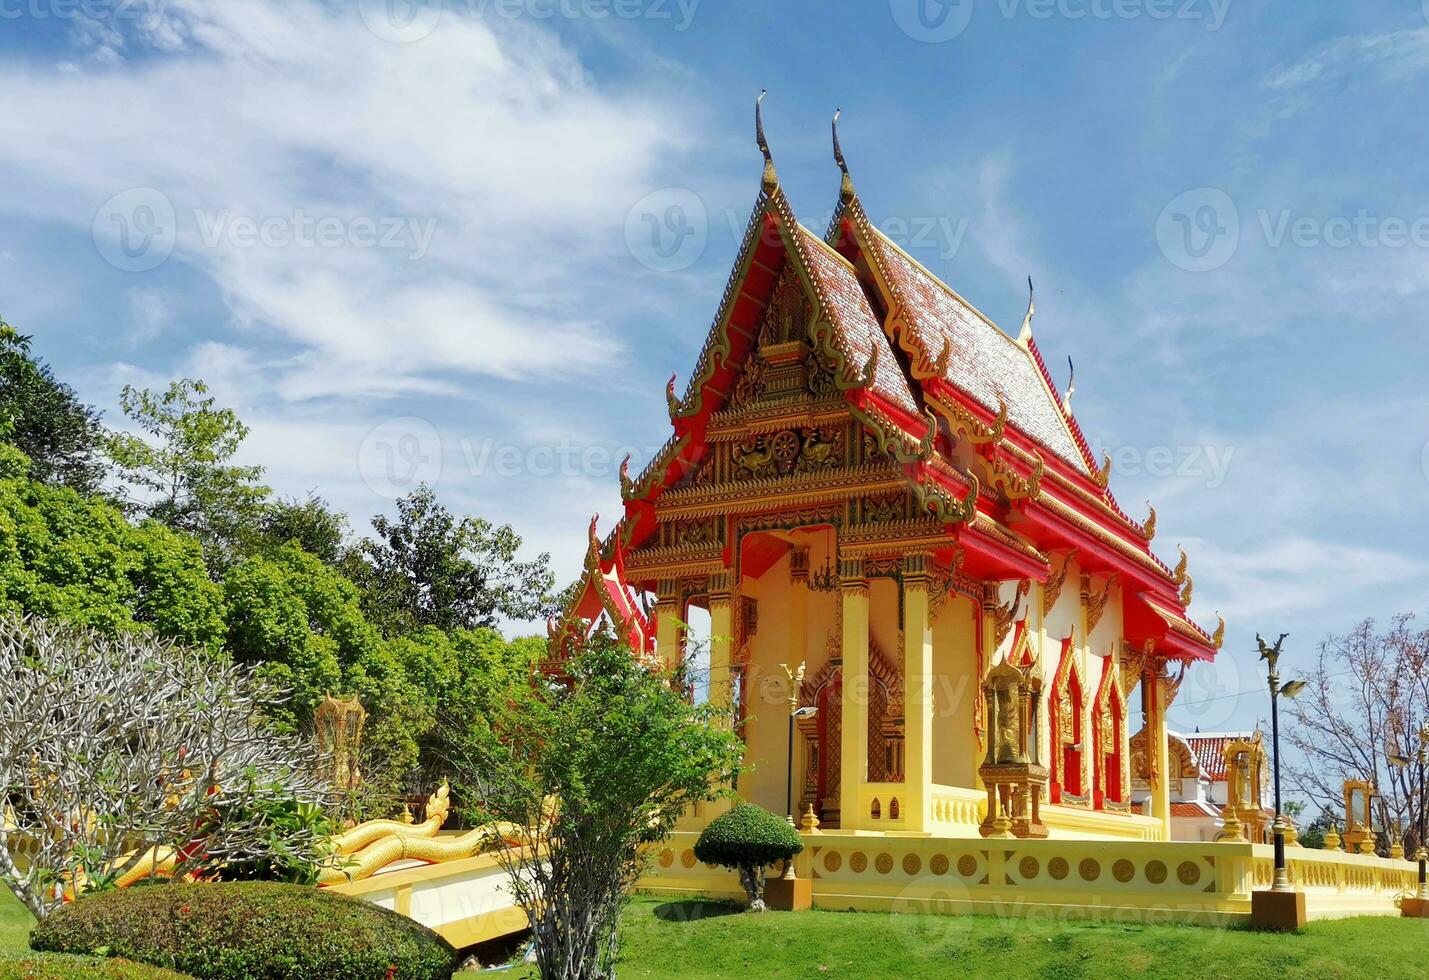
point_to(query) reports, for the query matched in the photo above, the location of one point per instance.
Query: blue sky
(471, 244)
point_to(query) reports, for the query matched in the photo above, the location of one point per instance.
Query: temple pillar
(982, 656)
(853, 759)
(799, 645)
(721, 691)
(1153, 691)
(917, 693)
(669, 624)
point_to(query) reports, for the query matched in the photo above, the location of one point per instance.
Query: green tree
(78, 559)
(300, 622)
(186, 477)
(310, 522)
(43, 419)
(624, 752)
(427, 568)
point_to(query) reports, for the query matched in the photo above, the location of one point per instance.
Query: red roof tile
(984, 362)
(853, 317)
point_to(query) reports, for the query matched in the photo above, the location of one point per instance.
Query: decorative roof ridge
(1032, 350)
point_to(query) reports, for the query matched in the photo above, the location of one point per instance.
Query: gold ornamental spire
(846, 192)
(1025, 334)
(771, 178)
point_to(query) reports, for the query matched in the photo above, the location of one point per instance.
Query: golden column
(669, 624)
(721, 640)
(1153, 687)
(853, 760)
(917, 692)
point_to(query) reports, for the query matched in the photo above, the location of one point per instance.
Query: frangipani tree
(124, 755)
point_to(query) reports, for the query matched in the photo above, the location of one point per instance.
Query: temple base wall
(1073, 880)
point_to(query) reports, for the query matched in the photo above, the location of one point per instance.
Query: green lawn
(690, 939)
(664, 938)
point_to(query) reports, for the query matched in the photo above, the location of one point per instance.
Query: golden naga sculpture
(369, 847)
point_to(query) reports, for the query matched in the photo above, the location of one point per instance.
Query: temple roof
(984, 362)
(859, 328)
(1209, 748)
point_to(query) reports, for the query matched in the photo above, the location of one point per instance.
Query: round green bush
(747, 836)
(249, 931)
(748, 839)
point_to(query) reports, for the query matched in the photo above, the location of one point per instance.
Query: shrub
(243, 930)
(51, 967)
(748, 839)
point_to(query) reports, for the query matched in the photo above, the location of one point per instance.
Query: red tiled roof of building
(984, 361)
(853, 318)
(1210, 750)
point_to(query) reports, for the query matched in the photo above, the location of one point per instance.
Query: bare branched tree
(1366, 701)
(592, 770)
(118, 754)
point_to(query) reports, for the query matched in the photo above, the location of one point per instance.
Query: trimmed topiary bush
(748, 839)
(249, 931)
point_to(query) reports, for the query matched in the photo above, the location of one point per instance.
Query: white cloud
(274, 114)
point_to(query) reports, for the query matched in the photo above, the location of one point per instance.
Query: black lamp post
(1271, 654)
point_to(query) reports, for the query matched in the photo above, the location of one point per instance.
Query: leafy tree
(186, 477)
(76, 558)
(311, 523)
(43, 419)
(624, 753)
(428, 568)
(748, 839)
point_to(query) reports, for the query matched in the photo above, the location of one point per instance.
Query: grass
(664, 938)
(688, 938)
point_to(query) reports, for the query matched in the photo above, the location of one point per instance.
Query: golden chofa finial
(1071, 387)
(771, 179)
(1148, 527)
(1025, 334)
(1219, 636)
(845, 188)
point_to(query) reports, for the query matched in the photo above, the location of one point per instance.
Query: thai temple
(905, 544)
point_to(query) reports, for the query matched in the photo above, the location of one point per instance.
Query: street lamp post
(1271, 654)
